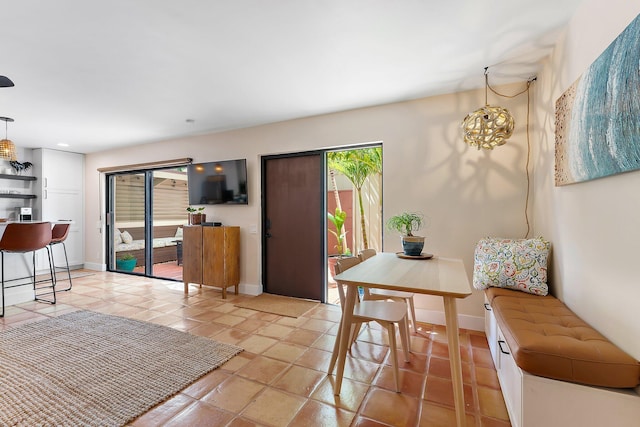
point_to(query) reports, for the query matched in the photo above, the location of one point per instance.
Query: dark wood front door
(293, 226)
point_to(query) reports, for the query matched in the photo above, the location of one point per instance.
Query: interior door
(293, 226)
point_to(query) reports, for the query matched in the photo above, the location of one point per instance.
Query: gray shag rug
(92, 369)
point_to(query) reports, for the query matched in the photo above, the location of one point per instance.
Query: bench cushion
(549, 340)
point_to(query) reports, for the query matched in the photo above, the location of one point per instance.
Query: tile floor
(280, 379)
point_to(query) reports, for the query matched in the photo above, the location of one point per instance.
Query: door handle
(267, 235)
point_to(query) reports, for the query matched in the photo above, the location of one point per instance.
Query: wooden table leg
(347, 316)
(451, 316)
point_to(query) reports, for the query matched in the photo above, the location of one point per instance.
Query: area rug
(92, 369)
(276, 304)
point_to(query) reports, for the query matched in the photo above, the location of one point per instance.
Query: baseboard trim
(473, 323)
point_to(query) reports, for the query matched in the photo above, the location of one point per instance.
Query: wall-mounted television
(218, 183)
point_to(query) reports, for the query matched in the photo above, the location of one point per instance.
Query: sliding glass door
(146, 212)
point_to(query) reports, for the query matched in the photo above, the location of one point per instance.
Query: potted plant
(406, 224)
(337, 219)
(126, 262)
(196, 216)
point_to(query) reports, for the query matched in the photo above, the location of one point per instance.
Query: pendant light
(7, 148)
(5, 82)
(488, 126)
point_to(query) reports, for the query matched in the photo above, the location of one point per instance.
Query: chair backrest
(343, 264)
(25, 237)
(59, 233)
(366, 254)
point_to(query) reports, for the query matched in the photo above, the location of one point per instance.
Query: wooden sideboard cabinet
(211, 257)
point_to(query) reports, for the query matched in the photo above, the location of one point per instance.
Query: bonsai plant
(406, 224)
(195, 215)
(127, 262)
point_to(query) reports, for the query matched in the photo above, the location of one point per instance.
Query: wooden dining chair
(384, 294)
(386, 313)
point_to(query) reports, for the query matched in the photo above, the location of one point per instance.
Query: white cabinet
(60, 196)
(536, 401)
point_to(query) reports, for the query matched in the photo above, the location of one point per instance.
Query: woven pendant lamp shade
(7, 150)
(487, 127)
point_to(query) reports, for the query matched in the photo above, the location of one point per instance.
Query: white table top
(436, 276)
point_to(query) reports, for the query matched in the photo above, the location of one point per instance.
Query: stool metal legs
(36, 288)
(67, 269)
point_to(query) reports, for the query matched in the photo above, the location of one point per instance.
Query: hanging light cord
(527, 90)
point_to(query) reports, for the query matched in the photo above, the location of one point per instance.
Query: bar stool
(59, 234)
(23, 238)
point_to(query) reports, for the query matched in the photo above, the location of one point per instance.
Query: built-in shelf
(17, 196)
(18, 177)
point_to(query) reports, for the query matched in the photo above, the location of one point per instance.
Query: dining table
(445, 277)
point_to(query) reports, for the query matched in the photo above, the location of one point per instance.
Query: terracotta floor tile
(274, 408)
(482, 357)
(315, 359)
(263, 370)
(369, 351)
(492, 403)
(360, 370)
(238, 361)
(487, 377)
(492, 422)
(434, 415)
(206, 384)
(229, 319)
(411, 383)
(284, 351)
(322, 415)
(199, 414)
(231, 336)
(325, 342)
(243, 422)
(351, 395)
(440, 390)
(299, 380)
(442, 368)
(233, 394)
(397, 409)
(257, 344)
(303, 337)
(318, 325)
(274, 330)
(251, 325)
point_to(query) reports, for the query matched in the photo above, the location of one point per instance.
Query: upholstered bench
(549, 340)
(555, 369)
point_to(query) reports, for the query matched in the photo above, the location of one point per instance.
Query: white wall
(594, 226)
(466, 194)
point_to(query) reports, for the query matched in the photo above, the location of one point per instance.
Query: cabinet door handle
(500, 342)
(487, 307)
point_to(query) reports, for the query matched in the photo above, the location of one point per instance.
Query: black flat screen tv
(218, 183)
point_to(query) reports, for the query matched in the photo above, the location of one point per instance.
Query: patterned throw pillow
(512, 264)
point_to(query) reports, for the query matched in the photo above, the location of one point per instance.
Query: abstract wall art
(598, 117)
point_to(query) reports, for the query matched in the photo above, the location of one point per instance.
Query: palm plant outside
(357, 166)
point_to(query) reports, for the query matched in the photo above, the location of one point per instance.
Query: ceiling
(102, 74)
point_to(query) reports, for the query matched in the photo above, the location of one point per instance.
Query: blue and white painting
(598, 117)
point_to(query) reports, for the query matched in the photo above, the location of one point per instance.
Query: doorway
(146, 212)
(299, 191)
(293, 225)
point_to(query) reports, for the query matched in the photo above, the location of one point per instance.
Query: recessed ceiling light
(190, 121)
(62, 144)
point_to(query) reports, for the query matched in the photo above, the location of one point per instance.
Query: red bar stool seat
(24, 238)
